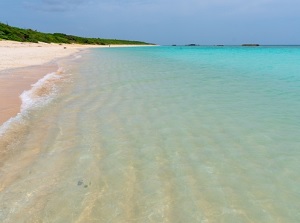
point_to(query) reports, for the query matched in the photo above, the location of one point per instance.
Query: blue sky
(162, 21)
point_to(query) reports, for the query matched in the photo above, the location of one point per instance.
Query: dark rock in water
(250, 44)
(79, 183)
(220, 45)
(174, 45)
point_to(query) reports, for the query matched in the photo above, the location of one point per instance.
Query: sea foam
(41, 93)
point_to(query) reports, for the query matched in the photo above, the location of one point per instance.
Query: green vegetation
(28, 35)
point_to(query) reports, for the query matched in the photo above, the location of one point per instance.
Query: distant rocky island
(192, 44)
(250, 44)
(219, 45)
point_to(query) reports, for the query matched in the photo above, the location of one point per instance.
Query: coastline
(14, 82)
(23, 64)
(22, 54)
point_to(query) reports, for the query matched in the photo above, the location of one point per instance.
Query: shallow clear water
(159, 134)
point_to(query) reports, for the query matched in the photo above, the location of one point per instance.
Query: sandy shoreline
(20, 67)
(17, 71)
(16, 54)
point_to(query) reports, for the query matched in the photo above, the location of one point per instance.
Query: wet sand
(14, 82)
(23, 64)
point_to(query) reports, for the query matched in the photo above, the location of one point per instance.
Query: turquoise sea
(158, 134)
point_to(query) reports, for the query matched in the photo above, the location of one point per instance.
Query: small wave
(40, 94)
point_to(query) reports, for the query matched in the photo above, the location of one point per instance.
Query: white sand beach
(16, 54)
(21, 54)
(25, 55)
